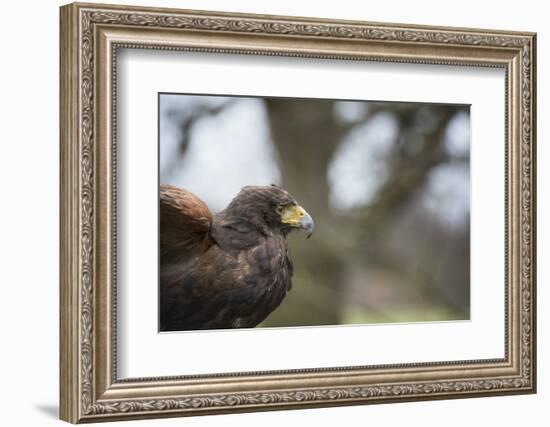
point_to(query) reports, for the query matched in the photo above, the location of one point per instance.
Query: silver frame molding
(90, 37)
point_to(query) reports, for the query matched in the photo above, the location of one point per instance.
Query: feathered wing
(185, 223)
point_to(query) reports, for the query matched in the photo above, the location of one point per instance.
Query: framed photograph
(266, 212)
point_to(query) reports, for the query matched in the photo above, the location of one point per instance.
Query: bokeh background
(387, 183)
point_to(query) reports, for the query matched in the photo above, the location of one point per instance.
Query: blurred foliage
(400, 254)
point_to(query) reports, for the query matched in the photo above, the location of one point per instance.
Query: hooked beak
(296, 216)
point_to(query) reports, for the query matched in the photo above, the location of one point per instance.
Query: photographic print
(306, 212)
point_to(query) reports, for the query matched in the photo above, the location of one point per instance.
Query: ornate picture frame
(90, 37)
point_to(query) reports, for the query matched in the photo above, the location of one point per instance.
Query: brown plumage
(228, 270)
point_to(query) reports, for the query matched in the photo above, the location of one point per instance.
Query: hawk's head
(271, 207)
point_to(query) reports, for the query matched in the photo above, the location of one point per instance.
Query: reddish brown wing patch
(185, 220)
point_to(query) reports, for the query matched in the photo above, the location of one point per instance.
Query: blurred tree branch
(408, 170)
(187, 119)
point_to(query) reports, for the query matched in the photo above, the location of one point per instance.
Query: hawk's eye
(280, 209)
